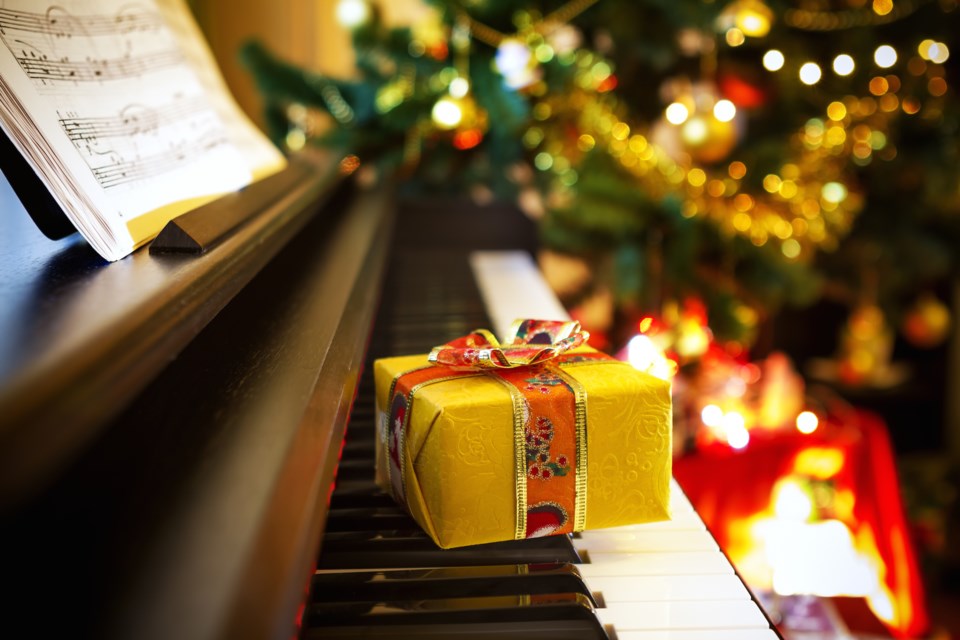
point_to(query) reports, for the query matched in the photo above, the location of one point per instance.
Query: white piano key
(655, 563)
(658, 588)
(688, 634)
(641, 539)
(681, 521)
(683, 518)
(674, 583)
(678, 499)
(512, 287)
(685, 614)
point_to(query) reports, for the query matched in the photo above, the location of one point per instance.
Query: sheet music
(259, 152)
(106, 96)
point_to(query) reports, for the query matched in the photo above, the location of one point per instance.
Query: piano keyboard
(379, 576)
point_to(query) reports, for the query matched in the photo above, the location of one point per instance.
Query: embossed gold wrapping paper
(460, 454)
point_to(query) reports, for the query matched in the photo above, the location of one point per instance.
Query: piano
(186, 441)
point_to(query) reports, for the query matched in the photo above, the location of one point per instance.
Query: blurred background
(304, 33)
(758, 200)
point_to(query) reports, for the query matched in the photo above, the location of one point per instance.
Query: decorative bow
(529, 342)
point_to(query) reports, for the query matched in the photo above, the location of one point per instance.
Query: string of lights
(707, 142)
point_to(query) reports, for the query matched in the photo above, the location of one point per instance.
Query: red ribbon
(549, 435)
(530, 342)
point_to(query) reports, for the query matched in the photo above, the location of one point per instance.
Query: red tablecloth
(725, 485)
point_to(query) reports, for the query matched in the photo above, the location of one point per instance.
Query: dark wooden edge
(53, 410)
(198, 231)
(277, 574)
(255, 589)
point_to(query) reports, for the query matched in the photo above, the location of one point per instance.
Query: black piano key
(352, 468)
(462, 582)
(568, 616)
(357, 488)
(421, 551)
(489, 630)
(359, 447)
(372, 513)
(361, 427)
(361, 436)
(355, 465)
(428, 300)
(360, 431)
(348, 499)
(369, 519)
(337, 536)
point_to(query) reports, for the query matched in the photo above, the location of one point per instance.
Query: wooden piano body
(171, 425)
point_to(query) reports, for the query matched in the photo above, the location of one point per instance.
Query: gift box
(483, 442)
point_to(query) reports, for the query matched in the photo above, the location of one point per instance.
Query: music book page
(119, 107)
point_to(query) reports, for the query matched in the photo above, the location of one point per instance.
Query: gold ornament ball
(866, 323)
(692, 338)
(447, 113)
(463, 117)
(451, 113)
(753, 18)
(517, 64)
(866, 344)
(927, 323)
(750, 18)
(429, 35)
(707, 139)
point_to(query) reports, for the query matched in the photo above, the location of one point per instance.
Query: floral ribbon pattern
(529, 342)
(549, 416)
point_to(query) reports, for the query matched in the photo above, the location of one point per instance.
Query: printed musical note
(90, 62)
(58, 46)
(65, 69)
(121, 114)
(142, 141)
(131, 121)
(130, 170)
(58, 22)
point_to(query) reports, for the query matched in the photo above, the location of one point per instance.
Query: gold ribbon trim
(530, 342)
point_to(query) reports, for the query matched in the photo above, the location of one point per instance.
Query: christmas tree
(742, 155)
(697, 167)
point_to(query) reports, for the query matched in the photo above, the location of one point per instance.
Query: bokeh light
(843, 65)
(773, 60)
(810, 73)
(885, 56)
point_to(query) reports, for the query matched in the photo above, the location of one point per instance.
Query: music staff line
(65, 70)
(64, 24)
(131, 121)
(127, 171)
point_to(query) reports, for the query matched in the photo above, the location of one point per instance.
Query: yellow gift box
(462, 452)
